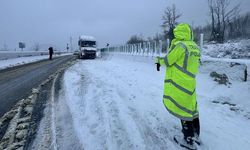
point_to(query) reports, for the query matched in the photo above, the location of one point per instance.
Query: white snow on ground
(116, 103)
(15, 54)
(230, 49)
(241, 61)
(233, 68)
(23, 60)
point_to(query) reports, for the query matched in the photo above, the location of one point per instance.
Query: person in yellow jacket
(182, 63)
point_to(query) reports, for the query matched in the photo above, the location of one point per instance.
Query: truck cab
(87, 47)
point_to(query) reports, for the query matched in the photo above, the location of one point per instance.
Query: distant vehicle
(87, 47)
(76, 53)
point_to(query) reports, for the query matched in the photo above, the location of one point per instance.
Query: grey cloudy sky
(112, 21)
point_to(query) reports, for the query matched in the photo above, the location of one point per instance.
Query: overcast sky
(110, 21)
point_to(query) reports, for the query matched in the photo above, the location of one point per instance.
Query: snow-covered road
(116, 103)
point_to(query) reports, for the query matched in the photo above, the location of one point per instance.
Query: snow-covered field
(15, 54)
(116, 103)
(24, 60)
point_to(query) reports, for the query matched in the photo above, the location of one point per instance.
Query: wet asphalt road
(16, 83)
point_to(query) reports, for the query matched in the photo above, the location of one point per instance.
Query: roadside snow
(15, 54)
(231, 49)
(241, 61)
(23, 60)
(116, 103)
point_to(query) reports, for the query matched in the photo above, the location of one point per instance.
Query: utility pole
(71, 46)
(67, 47)
(5, 47)
(107, 46)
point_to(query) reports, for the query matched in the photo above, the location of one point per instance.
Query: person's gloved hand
(158, 66)
(157, 62)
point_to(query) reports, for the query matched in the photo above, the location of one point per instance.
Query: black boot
(185, 142)
(196, 127)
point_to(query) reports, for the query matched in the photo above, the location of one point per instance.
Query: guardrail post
(155, 49)
(135, 49)
(160, 47)
(245, 74)
(149, 48)
(143, 48)
(168, 45)
(126, 49)
(140, 48)
(132, 49)
(201, 41)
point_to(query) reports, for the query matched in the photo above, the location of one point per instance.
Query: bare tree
(36, 47)
(135, 39)
(158, 37)
(5, 47)
(170, 17)
(239, 26)
(221, 13)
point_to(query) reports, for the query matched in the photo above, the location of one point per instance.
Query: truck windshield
(88, 44)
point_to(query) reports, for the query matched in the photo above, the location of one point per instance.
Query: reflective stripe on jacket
(182, 64)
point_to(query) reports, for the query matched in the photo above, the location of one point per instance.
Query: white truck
(87, 47)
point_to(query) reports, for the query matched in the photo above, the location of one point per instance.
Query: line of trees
(170, 18)
(4, 48)
(237, 28)
(221, 15)
(225, 23)
(134, 39)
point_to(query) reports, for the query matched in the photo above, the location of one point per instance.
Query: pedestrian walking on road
(50, 52)
(182, 63)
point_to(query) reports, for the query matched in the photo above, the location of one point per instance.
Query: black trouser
(190, 128)
(50, 56)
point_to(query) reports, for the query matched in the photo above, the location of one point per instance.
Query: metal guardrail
(149, 48)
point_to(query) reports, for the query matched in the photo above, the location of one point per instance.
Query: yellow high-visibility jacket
(182, 62)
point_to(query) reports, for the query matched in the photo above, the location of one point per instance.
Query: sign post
(21, 45)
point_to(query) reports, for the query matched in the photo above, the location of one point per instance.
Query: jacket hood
(183, 32)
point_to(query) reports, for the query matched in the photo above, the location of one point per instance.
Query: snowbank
(24, 60)
(231, 49)
(16, 54)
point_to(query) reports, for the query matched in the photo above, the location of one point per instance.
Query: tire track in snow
(110, 118)
(55, 130)
(46, 136)
(145, 138)
(153, 138)
(86, 111)
(99, 125)
(53, 117)
(118, 135)
(65, 133)
(107, 113)
(149, 135)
